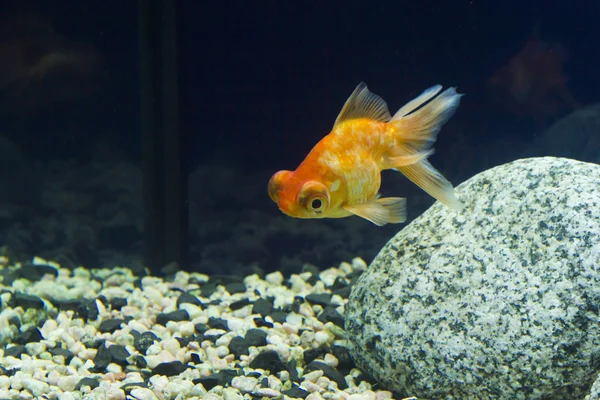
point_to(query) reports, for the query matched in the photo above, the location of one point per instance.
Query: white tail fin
(413, 131)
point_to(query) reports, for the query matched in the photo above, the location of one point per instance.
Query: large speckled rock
(498, 302)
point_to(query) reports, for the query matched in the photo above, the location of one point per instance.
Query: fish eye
(317, 204)
(276, 182)
(314, 197)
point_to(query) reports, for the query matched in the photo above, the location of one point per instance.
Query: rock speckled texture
(497, 302)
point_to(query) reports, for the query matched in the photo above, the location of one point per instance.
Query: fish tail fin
(412, 132)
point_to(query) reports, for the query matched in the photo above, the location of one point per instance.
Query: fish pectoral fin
(402, 159)
(381, 211)
(433, 182)
(363, 104)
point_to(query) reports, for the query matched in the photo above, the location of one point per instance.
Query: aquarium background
(259, 84)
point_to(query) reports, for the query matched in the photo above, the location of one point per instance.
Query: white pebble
(331, 360)
(244, 383)
(173, 389)
(346, 267)
(4, 382)
(222, 351)
(321, 337)
(68, 383)
(367, 395)
(235, 324)
(113, 393)
(293, 319)
(212, 396)
(142, 394)
(274, 278)
(274, 383)
(171, 345)
(310, 386)
(186, 328)
(266, 392)
(232, 394)
(313, 376)
(359, 264)
(37, 388)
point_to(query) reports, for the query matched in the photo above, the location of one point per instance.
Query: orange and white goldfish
(341, 176)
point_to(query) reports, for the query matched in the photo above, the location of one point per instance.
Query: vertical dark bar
(165, 186)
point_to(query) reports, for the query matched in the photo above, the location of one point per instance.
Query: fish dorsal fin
(363, 104)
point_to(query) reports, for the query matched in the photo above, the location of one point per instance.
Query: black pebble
(91, 382)
(59, 351)
(278, 316)
(145, 340)
(353, 276)
(184, 341)
(344, 292)
(345, 362)
(119, 354)
(238, 346)
(88, 310)
(102, 359)
(268, 360)
(26, 301)
(15, 351)
(329, 372)
(33, 272)
(189, 299)
(313, 280)
(261, 323)
(117, 303)
(110, 325)
(312, 354)
(140, 362)
(262, 307)
(339, 283)
(311, 268)
(330, 314)
(67, 305)
(210, 338)
(295, 307)
(195, 358)
(217, 323)
(236, 305)
(235, 287)
(296, 392)
(226, 376)
(208, 382)
(200, 328)
(176, 316)
(291, 367)
(208, 289)
(256, 337)
(322, 299)
(29, 336)
(169, 368)
(15, 321)
(128, 387)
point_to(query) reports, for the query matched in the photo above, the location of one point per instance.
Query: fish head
(299, 198)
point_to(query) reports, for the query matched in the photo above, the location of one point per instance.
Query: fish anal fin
(424, 175)
(381, 211)
(363, 104)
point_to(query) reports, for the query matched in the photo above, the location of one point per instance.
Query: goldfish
(341, 175)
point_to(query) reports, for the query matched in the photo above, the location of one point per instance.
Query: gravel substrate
(107, 334)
